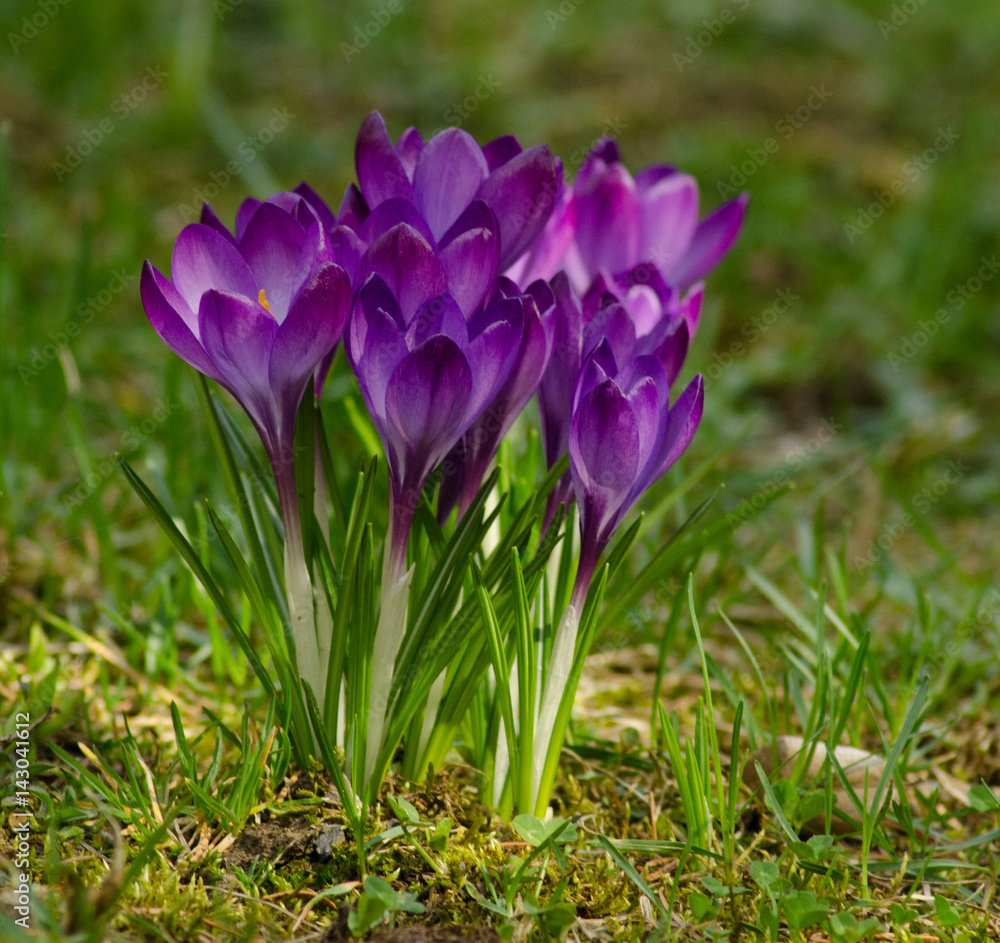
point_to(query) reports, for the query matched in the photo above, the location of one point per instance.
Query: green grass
(832, 425)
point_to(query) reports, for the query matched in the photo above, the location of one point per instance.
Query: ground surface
(850, 345)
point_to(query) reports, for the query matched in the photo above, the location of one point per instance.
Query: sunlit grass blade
(204, 577)
(633, 875)
(501, 669)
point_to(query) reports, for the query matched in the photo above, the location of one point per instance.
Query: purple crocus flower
(639, 238)
(579, 327)
(258, 312)
(467, 464)
(426, 372)
(545, 257)
(623, 222)
(623, 436)
(449, 188)
(307, 206)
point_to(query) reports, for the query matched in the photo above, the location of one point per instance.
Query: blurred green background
(866, 132)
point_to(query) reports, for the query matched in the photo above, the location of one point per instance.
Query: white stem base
(560, 663)
(312, 667)
(388, 637)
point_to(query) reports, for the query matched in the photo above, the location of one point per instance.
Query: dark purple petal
(237, 334)
(470, 265)
(530, 363)
(604, 446)
(500, 150)
(597, 162)
(409, 146)
(648, 177)
(381, 172)
(209, 218)
(174, 321)
(546, 256)
(271, 244)
(673, 349)
(543, 296)
(614, 326)
(391, 213)
(669, 212)
(555, 393)
(409, 267)
(599, 367)
(290, 202)
(494, 339)
(425, 404)
(598, 294)
(449, 173)
(643, 381)
(440, 315)
(353, 209)
(317, 204)
(315, 322)
(608, 221)
(682, 423)
(204, 260)
(375, 344)
(348, 251)
(477, 215)
(712, 240)
(245, 213)
(689, 306)
(522, 193)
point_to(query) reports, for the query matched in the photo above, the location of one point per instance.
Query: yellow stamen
(262, 298)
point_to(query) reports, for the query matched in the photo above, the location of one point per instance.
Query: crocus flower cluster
(463, 279)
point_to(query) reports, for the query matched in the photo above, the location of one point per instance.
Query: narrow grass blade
(634, 876)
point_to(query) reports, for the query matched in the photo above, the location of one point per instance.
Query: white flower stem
(298, 585)
(560, 664)
(395, 596)
(388, 637)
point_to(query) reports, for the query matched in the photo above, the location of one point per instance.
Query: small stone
(330, 836)
(860, 767)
